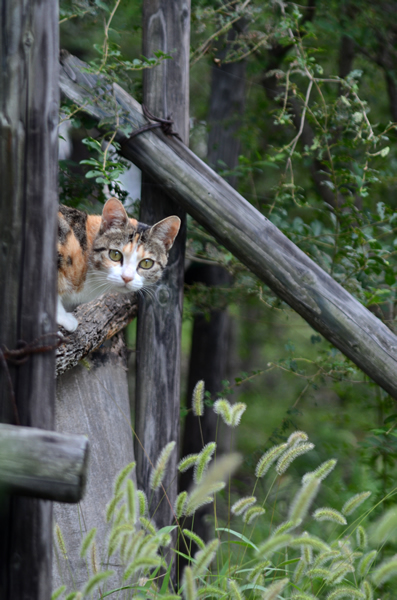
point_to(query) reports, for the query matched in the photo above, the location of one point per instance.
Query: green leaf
(238, 535)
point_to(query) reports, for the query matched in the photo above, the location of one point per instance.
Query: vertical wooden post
(166, 27)
(29, 104)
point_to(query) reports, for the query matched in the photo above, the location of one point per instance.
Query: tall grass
(258, 549)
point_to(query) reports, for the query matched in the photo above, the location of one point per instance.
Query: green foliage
(261, 560)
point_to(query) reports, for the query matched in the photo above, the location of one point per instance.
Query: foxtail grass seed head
(321, 472)
(189, 585)
(142, 562)
(367, 590)
(366, 563)
(303, 500)
(192, 506)
(148, 525)
(284, 527)
(194, 537)
(329, 514)
(268, 459)
(122, 476)
(157, 474)
(198, 399)
(350, 506)
(273, 591)
(242, 505)
(237, 412)
(345, 591)
(96, 580)
(361, 537)
(252, 514)
(58, 592)
(273, 544)
(120, 515)
(94, 559)
(384, 527)
(142, 503)
(112, 506)
(131, 500)
(297, 437)
(187, 462)
(310, 540)
(300, 570)
(61, 541)
(209, 590)
(307, 551)
(202, 461)
(339, 572)
(234, 590)
(290, 455)
(180, 504)
(303, 596)
(327, 556)
(216, 474)
(204, 557)
(385, 571)
(258, 570)
(87, 541)
(318, 573)
(224, 410)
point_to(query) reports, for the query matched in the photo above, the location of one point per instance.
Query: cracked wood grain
(99, 320)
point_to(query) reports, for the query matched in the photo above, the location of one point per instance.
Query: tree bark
(252, 238)
(166, 27)
(29, 105)
(99, 320)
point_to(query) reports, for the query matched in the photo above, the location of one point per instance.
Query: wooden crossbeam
(42, 464)
(243, 230)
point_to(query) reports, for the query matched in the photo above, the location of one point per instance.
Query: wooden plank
(29, 106)
(42, 464)
(252, 238)
(94, 402)
(166, 27)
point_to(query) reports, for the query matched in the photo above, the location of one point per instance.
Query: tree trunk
(93, 401)
(166, 26)
(29, 104)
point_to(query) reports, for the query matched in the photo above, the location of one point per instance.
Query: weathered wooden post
(29, 105)
(166, 27)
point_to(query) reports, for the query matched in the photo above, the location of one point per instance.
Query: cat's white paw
(68, 321)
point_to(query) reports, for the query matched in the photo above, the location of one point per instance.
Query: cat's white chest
(94, 286)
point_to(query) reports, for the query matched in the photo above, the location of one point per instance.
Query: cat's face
(129, 255)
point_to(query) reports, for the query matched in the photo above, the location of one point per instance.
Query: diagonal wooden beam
(252, 238)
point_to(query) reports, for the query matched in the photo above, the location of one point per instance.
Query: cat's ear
(166, 231)
(113, 215)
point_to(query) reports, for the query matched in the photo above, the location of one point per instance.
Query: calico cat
(98, 254)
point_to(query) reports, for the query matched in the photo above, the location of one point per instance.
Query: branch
(43, 464)
(98, 320)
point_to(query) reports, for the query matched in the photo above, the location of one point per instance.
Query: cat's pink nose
(126, 279)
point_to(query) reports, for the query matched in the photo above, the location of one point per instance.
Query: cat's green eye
(115, 255)
(146, 263)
